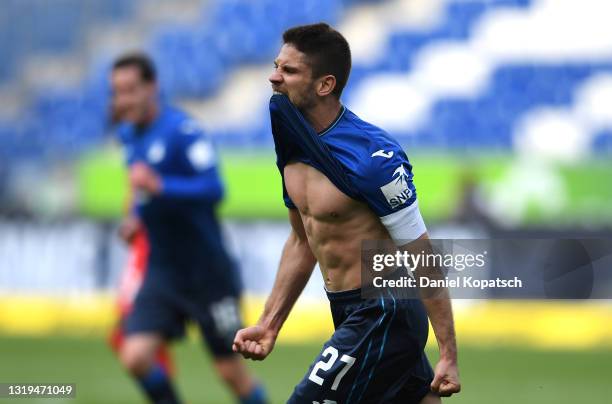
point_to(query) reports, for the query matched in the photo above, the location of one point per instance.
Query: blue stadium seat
(66, 121)
(96, 87)
(194, 62)
(18, 140)
(489, 120)
(249, 32)
(402, 46)
(53, 27)
(602, 142)
(465, 124)
(189, 65)
(7, 47)
(512, 3)
(460, 17)
(540, 83)
(113, 10)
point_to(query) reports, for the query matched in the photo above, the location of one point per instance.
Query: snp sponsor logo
(397, 191)
(156, 152)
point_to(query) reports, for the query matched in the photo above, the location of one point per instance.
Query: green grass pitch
(501, 376)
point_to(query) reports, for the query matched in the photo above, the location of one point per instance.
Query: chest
(153, 149)
(315, 195)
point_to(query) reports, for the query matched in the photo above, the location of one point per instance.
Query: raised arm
(439, 310)
(205, 185)
(296, 265)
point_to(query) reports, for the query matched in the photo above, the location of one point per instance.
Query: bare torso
(335, 225)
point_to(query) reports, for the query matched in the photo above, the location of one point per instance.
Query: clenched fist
(144, 178)
(254, 342)
(446, 379)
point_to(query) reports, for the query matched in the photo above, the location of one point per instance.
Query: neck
(322, 115)
(151, 115)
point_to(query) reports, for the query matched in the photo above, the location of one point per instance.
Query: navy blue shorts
(376, 354)
(162, 309)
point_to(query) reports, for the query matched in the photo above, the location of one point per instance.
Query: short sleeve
(288, 202)
(386, 185)
(197, 149)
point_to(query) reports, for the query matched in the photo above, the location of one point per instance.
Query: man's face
(131, 95)
(293, 76)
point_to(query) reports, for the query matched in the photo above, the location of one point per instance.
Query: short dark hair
(139, 60)
(327, 50)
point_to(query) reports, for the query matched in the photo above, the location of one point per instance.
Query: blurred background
(503, 106)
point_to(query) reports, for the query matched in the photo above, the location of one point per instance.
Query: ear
(326, 85)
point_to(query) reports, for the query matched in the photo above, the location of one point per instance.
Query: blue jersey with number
(362, 160)
(183, 231)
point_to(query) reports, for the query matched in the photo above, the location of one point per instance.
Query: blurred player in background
(344, 181)
(189, 275)
(133, 234)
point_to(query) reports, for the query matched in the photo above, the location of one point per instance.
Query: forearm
(296, 265)
(439, 310)
(437, 302)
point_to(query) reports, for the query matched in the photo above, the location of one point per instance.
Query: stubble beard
(307, 100)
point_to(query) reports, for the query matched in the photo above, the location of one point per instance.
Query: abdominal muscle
(334, 223)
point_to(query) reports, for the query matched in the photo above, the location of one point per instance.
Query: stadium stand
(477, 106)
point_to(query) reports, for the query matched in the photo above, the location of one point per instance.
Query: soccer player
(189, 276)
(132, 232)
(344, 181)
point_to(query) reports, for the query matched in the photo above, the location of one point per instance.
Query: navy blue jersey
(362, 160)
(184, 234)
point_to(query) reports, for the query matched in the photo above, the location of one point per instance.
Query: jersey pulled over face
(383, 203)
